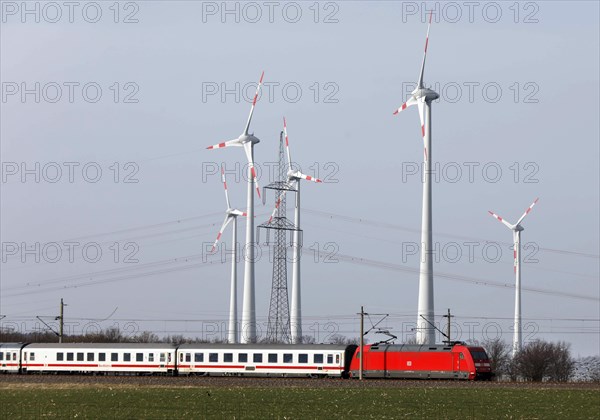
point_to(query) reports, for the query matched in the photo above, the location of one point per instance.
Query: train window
(102, 357)
(358, 355)
(127, 357)
(168, 357)
(1, 355)
(60, 357)
(303, 358)
(228, 357)
(114, 357)
(198, 357)
(479, 355)
(272, 358)
(139, 357)
(25, 356)
(243, 357)
(318, 358)
(14, 356)
(90, 357)
(337, 358)
(151, 357)
(188, 357)
(257, 357)
(180, 357)
(70, 357)
(213, 357)
(462, 356)
(162, 358)
(80, 357)
(330, 358)
(288, 358)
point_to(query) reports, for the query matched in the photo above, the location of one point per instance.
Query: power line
(386, 225)
(340, 257)
(481, 282)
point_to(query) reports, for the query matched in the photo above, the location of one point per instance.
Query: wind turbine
(247, 141)
(517, 229)
(231, 215)
(422, 97)
(293, 183)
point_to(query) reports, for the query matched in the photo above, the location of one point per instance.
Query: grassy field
(150, 402)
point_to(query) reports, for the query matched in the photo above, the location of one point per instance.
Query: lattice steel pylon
(278, 327)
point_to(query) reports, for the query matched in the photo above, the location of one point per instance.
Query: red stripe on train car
(71, 365)
(300, 367)
(134, 366)
(219, 366)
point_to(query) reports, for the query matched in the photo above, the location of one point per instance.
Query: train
(380, 360)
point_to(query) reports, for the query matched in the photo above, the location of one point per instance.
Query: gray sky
(519, 95)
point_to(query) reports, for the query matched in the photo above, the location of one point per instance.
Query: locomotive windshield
(479, 355)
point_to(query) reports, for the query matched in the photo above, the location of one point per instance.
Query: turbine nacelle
(426, 93)
(248, 138)
(235, 212)
(293, 176)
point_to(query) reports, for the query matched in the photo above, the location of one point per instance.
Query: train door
(458, 362)
(367, 360)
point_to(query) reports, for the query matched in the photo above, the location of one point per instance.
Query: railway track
(32, 380)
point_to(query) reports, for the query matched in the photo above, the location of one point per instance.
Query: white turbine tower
(517, 229)
(231, 214)
(247, 141)
(422, 97)
(293, 182)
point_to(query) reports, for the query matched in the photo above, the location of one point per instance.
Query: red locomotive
(451, 361)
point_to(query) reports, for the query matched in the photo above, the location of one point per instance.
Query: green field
(117, 401)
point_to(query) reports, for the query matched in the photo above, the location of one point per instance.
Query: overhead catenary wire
(93, 279)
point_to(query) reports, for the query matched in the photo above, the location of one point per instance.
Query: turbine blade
(307, 177)
(287, 145)
(411, 101)
(277, 204)
(248, 150)
(225, 186)
(225, 223)
(254, 103)
(239, 212)
(420, 83)
(500, 219)
(230, 143)
(421, 105)
(528, 210)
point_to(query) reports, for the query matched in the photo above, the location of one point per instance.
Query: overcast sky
(106, 113)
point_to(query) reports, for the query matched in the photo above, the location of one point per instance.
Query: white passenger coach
(262, 359)
(99, 357)
(10, 357)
